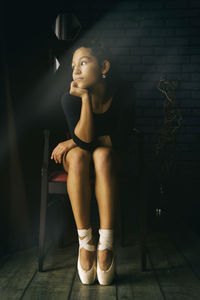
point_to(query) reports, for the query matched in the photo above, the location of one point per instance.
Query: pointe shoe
(106, 239)
(86, 277)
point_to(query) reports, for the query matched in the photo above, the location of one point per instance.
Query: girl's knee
(78, 156)
(103, 157)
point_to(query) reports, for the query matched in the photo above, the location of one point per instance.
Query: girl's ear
(105, 67)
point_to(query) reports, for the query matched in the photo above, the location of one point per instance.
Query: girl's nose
(76, 70)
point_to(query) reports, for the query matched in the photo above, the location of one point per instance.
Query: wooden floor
(173, 272)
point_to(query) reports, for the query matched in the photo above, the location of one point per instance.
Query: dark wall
(149, 38)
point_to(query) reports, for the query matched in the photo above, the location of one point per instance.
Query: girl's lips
(79, 79)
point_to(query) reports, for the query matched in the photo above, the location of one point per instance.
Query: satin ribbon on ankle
(106, 239)
(87, 234)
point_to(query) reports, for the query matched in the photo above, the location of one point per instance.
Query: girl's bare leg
(106, 189)
(77, 163)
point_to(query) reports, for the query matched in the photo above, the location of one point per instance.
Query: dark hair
(101, 52)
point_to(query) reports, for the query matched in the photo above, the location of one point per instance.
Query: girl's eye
(81, 64)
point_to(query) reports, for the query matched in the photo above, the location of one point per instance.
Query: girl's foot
(105, 258)
(87, 257)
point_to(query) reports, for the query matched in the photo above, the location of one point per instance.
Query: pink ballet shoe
(105, 277)
(86, 277)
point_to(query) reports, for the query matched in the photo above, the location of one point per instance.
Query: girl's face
(85, 68)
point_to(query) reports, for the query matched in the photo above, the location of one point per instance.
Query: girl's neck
(101, 94)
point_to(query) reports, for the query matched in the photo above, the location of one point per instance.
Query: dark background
(149, 38)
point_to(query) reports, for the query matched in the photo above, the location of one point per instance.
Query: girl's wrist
(86, 97)
(73, 143)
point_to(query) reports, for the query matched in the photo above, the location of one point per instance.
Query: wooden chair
(54, 183)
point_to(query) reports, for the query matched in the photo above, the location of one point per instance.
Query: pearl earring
(103, 76)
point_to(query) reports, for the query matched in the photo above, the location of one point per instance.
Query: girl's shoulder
(70, 101)
(70, 104)
(67, 97)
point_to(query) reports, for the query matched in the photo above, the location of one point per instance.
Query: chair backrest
(46, 149)
(49, 165)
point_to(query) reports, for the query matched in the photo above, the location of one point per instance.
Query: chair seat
(60, 176)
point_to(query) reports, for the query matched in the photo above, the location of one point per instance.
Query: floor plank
(132, 283)
(57, 279)
(176, 279)
(90, 292)
(188, 243)
(16, 274)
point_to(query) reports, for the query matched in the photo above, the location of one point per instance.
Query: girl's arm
(84, 129)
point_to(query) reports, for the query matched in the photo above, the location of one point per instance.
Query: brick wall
(151, 38)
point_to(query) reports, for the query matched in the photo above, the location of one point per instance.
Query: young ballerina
(100, 115)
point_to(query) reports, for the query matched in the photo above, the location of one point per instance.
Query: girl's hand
(76, 91)
(61, 148)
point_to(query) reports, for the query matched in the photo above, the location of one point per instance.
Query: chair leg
(120, 224)
(143, 225)
(123, 185)
(143, 255)
(61, 223)
(143, 234)
(43, 210)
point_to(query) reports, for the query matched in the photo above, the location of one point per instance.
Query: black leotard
(117, 121)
